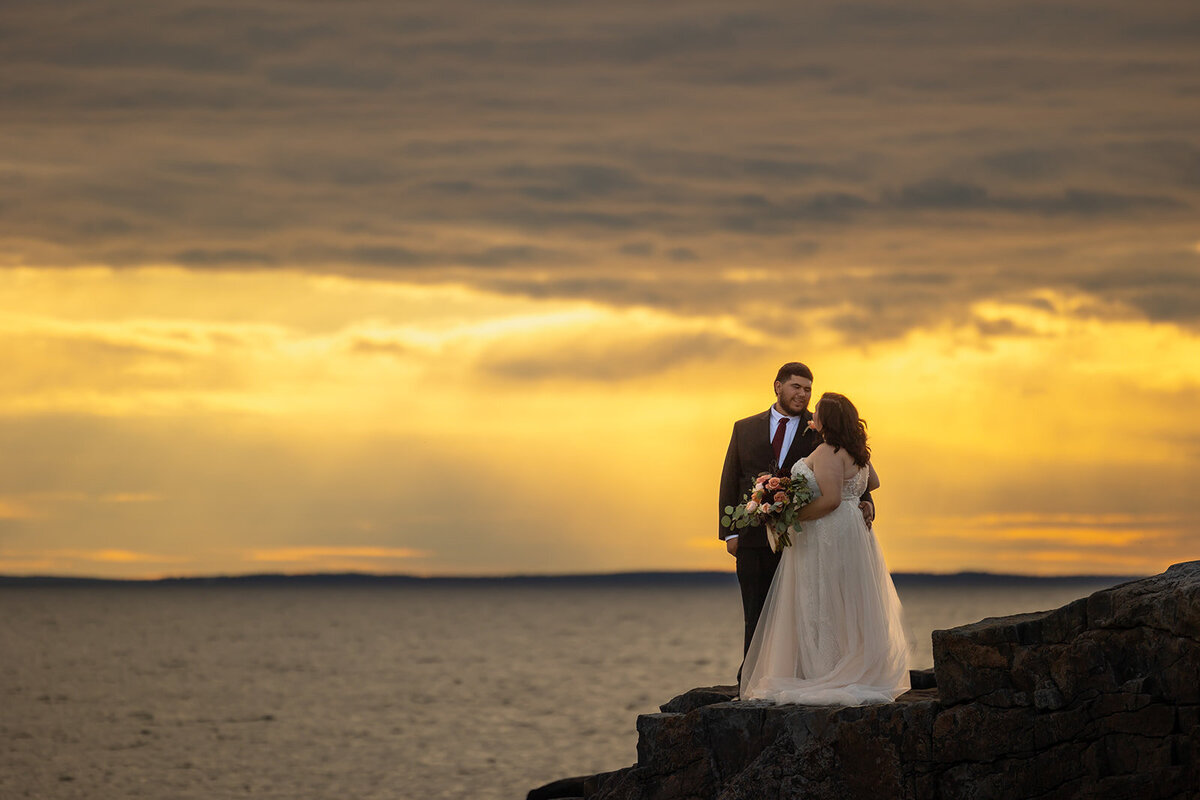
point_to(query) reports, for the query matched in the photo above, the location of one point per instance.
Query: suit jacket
(750, 454)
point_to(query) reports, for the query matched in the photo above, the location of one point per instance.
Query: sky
(480, 288)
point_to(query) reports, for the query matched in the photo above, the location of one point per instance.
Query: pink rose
(751, 507)
(761, 479)
(773, 484)
(780, 497)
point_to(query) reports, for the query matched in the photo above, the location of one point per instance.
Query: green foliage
(774, 505)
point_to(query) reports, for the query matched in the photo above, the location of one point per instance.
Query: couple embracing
(823, 622)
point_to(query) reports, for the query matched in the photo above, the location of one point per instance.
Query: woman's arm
(828, 468)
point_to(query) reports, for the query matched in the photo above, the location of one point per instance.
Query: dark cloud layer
(595, 361)
(565, 150)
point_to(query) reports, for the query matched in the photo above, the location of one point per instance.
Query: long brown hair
(842, 427)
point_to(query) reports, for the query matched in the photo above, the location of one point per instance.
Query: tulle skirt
(832, 629)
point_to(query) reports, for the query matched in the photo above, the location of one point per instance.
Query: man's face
(792, 395)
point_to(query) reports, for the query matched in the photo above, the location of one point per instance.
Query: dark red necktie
(777, 442)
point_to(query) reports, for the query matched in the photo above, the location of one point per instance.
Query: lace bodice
(852, 487)
(856, 484)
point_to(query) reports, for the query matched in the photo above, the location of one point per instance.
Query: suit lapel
(762, 439)
(801, 441)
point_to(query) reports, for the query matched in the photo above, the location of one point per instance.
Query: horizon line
(524, 576)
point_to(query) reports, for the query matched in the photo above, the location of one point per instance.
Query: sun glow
(212, 422)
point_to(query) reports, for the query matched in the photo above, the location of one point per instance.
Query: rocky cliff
(1097, 699)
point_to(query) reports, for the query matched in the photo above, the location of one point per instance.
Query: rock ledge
(1099, 698)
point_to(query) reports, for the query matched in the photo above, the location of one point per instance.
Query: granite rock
(1099, 698)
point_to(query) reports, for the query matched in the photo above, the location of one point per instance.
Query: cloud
(620, 289)
(1163, 287)
(1002, 327)
(1065, 521)
(120, 556)
(200, 257)
(1116, 543)
(638, 249)
(569, 182)
(1035, 163)
(333, 75)
(134, 47)
(365, 345)
(948, 195)
(759, 214)
(67, 364)
(100, 556)
(15, 509)
(130, 497)
(582, 357)
(508, 152)
(682, 254)
(320, 555)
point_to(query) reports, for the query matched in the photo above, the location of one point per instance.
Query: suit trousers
(755, 569)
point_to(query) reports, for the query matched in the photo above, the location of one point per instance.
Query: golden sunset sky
(480, 288)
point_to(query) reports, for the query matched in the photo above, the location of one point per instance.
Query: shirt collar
(776, 416)
(804, 417)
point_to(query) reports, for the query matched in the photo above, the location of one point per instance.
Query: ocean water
(331, 692)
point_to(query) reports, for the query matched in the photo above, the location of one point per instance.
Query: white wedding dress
(831, 631)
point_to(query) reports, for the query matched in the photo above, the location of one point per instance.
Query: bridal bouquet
(772, 501)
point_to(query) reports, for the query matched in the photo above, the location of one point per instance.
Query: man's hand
(731, 545)
(868, 512)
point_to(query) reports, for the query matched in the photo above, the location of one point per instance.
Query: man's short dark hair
(793, 368)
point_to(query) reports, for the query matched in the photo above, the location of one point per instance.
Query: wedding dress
(831, 631)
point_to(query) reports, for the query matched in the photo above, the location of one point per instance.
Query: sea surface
(460, 690)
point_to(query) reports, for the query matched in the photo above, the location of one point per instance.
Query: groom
(768, 442)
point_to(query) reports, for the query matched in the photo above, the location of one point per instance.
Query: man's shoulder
(753, 419)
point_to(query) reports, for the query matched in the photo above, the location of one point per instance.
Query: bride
(831, 631)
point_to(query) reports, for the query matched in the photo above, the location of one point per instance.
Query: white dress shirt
(793, 426)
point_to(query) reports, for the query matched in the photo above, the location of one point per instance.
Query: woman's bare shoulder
(822, 451)
(826, 454)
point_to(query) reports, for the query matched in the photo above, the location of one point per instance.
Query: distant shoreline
(661, 578)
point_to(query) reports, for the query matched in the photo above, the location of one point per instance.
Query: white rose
(751, 507)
